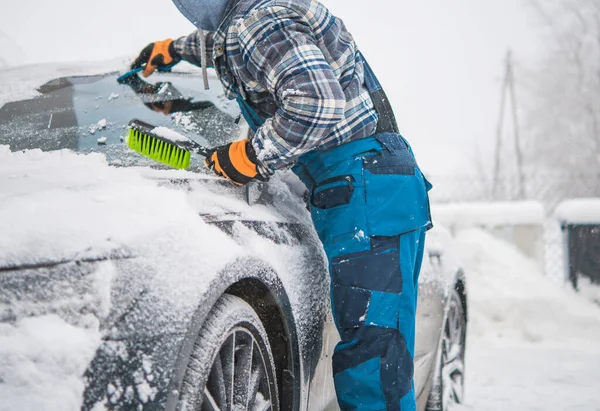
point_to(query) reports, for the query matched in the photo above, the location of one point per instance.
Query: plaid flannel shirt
(298, 67)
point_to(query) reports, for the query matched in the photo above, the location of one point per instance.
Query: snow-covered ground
(532, 344)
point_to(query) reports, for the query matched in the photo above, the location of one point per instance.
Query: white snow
(113, 96)
(185, 121)
(269, 150)
(61, 205)
(589, 290)
(101, 140)
(55, 205)
(360, 235)
(145, 391)
(581, 210)
(41, 363)
(18, 83)
(100, 125)
(532, 344)
(489, 214)
(291, 92)
(170, 134)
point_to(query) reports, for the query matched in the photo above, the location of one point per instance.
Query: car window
(90, 114)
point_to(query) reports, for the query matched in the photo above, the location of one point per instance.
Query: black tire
(449, 380)
(231, 366)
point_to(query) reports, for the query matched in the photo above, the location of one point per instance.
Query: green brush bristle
(158, 150)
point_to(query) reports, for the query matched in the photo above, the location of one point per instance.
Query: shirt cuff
(179, 45)
(270, 158)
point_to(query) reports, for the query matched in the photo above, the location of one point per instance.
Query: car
(255, 333)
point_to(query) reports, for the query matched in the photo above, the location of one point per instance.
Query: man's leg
(374, 304)
(362, 194)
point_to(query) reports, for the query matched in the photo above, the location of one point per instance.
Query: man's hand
(155, 55)
(235, 161)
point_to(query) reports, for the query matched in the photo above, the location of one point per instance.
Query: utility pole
(508, 87)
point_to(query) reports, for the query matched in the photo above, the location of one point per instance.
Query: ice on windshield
(91, 113)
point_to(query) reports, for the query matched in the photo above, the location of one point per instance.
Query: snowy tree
(563, 122)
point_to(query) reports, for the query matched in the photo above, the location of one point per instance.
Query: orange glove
(235, 161)
(155, 55)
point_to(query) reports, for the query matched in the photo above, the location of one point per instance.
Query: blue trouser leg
(370, 209)
(373, 363)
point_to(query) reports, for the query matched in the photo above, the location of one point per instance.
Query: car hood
(61, 208)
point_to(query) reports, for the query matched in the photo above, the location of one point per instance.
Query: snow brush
(123, 79)
(163, 145)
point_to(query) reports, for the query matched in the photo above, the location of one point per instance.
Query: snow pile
(532, 344)
(20, 83)
(59, 204)
(489, 214)
(169, 134)
(589, 290)
(100, 125)
(41, 363)
(581, 210)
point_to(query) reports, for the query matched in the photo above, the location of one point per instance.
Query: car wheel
(231, 366)
(449, 381)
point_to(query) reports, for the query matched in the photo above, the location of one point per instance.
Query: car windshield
(90, 114)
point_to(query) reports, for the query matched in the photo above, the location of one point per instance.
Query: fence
(549, 188)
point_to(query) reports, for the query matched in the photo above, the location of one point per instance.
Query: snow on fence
(579, 211)
(520, 222)
(550, 188)
(574, 211)
(536, 232)
(579, 220)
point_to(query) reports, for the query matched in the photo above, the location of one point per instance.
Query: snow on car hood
(60, 205)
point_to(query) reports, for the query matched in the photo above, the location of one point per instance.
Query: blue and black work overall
(369, 204)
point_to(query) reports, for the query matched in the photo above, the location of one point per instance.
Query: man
(313, 102)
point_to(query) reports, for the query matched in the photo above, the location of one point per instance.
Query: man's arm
(281, 56)
(189, 49)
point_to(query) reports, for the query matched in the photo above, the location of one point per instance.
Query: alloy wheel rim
(453, 355)
(239, 378)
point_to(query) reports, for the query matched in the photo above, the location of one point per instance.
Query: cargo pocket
(350, 305)
(395, 192)
(366, 286)
(333, 193)
(338, 213)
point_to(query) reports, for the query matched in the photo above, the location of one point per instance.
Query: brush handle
(123, 78)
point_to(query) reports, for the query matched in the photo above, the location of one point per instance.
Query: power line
(508, 88)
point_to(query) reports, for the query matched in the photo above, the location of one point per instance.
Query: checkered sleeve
(281, 54)
(189, 49)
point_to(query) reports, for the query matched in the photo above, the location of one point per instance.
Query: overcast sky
(440, 61)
